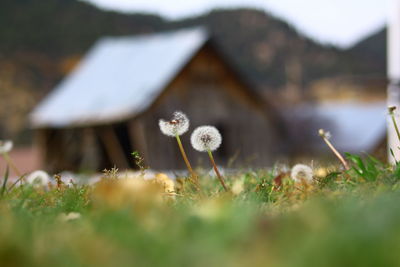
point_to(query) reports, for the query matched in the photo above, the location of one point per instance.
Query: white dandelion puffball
(301, 172)
(6, 146)
(177, 126)
(38, 178)
(206, 138)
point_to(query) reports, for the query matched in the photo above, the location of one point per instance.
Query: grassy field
(349, 218)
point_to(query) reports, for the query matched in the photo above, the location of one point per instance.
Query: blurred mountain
(41, 41)
(372, 53)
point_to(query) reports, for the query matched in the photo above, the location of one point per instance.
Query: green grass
(343, 219)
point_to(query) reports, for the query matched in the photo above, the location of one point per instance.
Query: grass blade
(16, 182)
(5, 180)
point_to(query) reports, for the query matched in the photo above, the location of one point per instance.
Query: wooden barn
(109, 106)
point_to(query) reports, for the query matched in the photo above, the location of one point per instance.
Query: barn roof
(119, 78)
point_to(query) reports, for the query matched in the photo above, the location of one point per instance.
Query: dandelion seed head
(6, 146)
(177, 126)
(206, 138)
(39, 178)
(324, 134)
(301, 172)
(328, 135)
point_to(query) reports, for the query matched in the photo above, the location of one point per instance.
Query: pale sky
(338, 22)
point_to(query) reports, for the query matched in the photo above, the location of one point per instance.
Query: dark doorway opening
(122, 132)
(116, 147)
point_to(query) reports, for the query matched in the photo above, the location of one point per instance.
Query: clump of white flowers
(174, 128)
(38, 178)
(206, 138)
(6, 146)
(178, 125)
(302, 173)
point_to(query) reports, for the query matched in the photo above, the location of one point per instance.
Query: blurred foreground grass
(342, 219)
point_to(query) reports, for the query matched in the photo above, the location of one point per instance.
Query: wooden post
(40, 137)
(90, 152)
(113, 147)
(393, 59)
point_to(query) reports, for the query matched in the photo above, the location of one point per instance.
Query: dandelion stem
(394, 156)
(192, 173)
(391, 111)
(12, 165)
(337, 154)
(221, 179)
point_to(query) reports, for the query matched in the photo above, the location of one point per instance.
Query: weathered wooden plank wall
(210, 94)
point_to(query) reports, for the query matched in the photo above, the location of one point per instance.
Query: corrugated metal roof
(119, 77)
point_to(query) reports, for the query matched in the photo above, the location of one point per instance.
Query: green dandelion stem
(395, 125)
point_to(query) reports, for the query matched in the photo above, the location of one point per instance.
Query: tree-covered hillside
(265, 48)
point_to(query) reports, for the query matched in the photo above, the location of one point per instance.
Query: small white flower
(68, 178)
(65, 217)
(6, 146)
(177, 126)
(238, 187)
(280, 168)
(206, 138)
(301, 172)
(40, 178)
